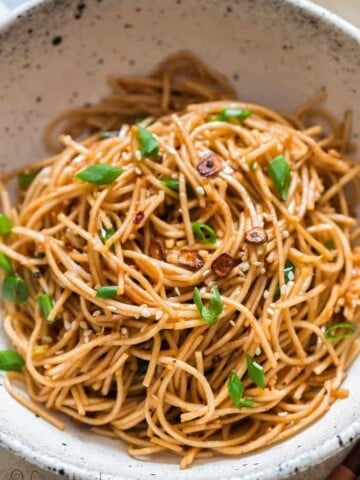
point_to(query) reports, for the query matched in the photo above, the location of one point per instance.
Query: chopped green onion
(236, 391)
(171, 183)
(142, 367)
(148, 144)
(330, 333)
(25, 178)
(174, 185)
(5, 263)
(15, 289)
(255, 371)
(211, 312)
(11, 361)
(109, 291)
(329, 244)
(5, 225)
(99, 174)
(288, 269)
(280, 174)
(106, 233)
(204, 232)
(46, 305)
(231, 114)
(39, 255)
(111, 133)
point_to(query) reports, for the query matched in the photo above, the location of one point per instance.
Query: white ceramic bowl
(277, 53)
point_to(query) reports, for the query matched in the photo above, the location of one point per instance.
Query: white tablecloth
(13, 468)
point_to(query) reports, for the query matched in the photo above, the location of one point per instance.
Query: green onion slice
(174, 185)
(5, 225)
(26, 178)
(171, 183)
(231, 114)
(11, 361)
(288, 269)
(280, 174)
(108, 291)
(255, 371)
(212, 310)
(348, 330)
(109, 134)
(148, 144)
(5, 263)
(14, 289)
(99, 174)
(204, 233)
(236, 391)
(46, 305)
(329, 244)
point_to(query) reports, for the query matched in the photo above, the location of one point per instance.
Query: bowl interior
(278, 53)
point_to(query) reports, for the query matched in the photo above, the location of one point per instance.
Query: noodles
(189, 285)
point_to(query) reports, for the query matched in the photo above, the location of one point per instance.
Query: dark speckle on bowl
(340, 441)
(57, 40)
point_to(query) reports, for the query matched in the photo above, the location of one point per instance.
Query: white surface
(15, 469)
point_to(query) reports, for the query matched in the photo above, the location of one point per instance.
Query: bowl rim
(311, 457)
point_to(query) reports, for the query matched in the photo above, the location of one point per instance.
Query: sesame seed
(263, 271)
(202, 290)
(258, 351)
(200, 190)
(86, 339)
(78, 158)
(257, 264)
(98, 155)
(232, 323)
(291, 276)
(112, 308)
(83, 325)
(96, 313)
(137, 154)
(145, 312)
(67, 325)
(228, 170)
(46, 339)
(177, 291)
(124, 331)
(205, 273)
(289, 286)
(126, 156)
(270, 311)
(171, 150)
(266, 293)
(158, 315)
(283, 414)
(285, 234)
(138, 171)
(244, 266)
(256, 365)
(283, 290)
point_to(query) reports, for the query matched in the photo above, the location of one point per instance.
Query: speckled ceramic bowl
(57, 53)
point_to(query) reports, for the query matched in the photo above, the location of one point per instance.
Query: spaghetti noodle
(190, 285)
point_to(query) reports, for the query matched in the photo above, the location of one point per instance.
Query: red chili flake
(223, 265)
(256, 236)
(210, 164)
(139, 217)
(190, 258)
(156, 250)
